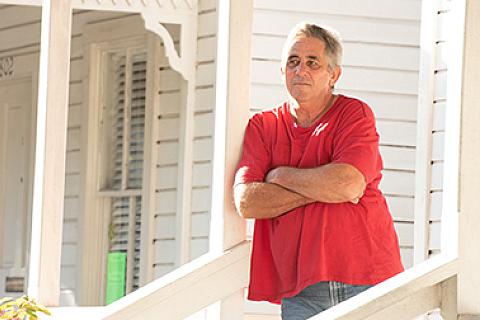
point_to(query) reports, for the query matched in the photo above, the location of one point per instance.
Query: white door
(15, 182)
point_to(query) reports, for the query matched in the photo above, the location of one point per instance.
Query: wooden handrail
(412, 293)
(178, 294)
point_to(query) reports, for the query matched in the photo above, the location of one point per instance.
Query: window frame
(98, 40)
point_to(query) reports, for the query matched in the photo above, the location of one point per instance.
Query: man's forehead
(307, 47)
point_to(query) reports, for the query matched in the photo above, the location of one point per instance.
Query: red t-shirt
(345, 242)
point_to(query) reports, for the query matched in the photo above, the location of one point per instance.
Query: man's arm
(331, 183)
(266, 200)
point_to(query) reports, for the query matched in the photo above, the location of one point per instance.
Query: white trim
(469, 200)
(185, 161)
(451, 166)
(423, 168)
(405, 296)
(231, 116)
(49, 179)
(99, 38)
(152, 107)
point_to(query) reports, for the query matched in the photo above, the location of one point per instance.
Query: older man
(309, 175)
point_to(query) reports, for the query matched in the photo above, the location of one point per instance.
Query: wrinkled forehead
(303, 46)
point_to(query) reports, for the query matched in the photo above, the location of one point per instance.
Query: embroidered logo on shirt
(319, 129)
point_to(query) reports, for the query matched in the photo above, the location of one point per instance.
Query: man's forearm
(266, 200)
(331, 183)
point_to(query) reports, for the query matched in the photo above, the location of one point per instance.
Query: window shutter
(128, 88)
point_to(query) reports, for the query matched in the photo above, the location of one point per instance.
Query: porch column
(468, 303)
(49, 179)
(232, 104)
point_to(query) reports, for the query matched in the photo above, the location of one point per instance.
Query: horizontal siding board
(441, 52)
(165, 226)
(70, 233)
(438, 143)
(436, 199)
(76, 93)
(75, 115)
(440, 86)
(350, 28)
(389, 106)
(390, 133)
(166, 202)
(201, 200)
(207, 49)
(204, 124)
(405, 233)
(71, 208)
(401, 208)
(169, 103)
(69, 254)
(205, 99)
(202, 149)
(204, 5)
(442, 26)
(73, 138)
(439, 109)
(398, 157)
(73, 162)
(167, 177)
(407, 257)
(19, 15)
(408, 10)
(437, 176)
(207, 24)
(434, 239)
(68, 276)
(162, 269)
(200, 224)
(267, 72)
(202, 174)
(198, 247)
(164, 251)
(168, 129)
(167, 153)
(398, 183)
(354, 54)
(72, 185)
(206, 74)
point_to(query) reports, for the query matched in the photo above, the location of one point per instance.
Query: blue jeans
(316, 298)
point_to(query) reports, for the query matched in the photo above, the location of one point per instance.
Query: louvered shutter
(127, 114)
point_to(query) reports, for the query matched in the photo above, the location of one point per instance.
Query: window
(122, 127)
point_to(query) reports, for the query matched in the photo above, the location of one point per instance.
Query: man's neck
(305, 114)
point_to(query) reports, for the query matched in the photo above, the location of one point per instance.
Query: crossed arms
(286, 188)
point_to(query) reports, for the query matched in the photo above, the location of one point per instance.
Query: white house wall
(438, 126)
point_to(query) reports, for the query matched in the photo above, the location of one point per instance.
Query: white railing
(425, 287)
(177, 295)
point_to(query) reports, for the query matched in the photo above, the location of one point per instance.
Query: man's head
(333, 46)
(311, 63)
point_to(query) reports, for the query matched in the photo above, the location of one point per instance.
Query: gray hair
(333, 46)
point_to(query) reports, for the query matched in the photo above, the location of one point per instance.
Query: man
(309, 175)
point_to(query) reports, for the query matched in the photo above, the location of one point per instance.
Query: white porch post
(227, 229)
(49, 180)
(469, 199)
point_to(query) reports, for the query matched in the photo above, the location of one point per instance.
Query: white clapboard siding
(438, 126)
(203, 127)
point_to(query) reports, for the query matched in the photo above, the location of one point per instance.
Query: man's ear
(335, 75)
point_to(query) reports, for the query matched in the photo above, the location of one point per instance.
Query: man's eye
(292, 63)
(312, 64)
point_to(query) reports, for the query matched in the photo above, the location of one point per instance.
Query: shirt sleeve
(255, 160)
(356, 141)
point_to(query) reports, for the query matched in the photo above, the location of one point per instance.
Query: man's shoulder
(352, 105)
(269, 114)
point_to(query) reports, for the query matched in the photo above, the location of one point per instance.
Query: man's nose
(301, 69)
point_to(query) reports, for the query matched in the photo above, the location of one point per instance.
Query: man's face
(306, 73)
